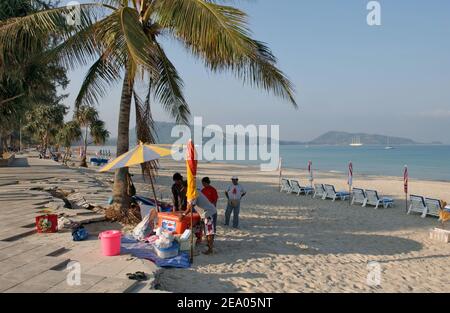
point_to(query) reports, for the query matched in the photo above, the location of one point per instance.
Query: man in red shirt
(209, 191)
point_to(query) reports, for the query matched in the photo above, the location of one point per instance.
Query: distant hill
(343, 138)
(164, 129)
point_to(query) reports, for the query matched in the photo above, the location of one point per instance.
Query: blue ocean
(429, 162)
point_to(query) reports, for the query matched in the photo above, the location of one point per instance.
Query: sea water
(430, 162)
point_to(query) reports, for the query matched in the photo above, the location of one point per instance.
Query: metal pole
(191, 260)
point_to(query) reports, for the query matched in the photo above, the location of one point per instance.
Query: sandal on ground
(139, 276)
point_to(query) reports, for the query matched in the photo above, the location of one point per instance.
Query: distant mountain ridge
(164, 129)
(343, 138)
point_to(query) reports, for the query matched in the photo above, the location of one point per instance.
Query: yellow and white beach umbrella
(140, 154)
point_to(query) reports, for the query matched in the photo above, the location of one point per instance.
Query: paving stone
(49, 277)
(6, 284)
(29, 270)
(114, 285)
(10, 264)
(87, 281)
(16, 249)
(6, 244)
(28, 288)
(16, 233)
(45, 250)
(109, 269)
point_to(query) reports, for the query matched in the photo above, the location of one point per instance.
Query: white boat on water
(388, 147)
(356, 142)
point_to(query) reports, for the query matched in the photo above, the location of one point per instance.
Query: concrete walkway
(31, 262)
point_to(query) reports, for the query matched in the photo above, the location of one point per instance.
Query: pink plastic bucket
(110, 242)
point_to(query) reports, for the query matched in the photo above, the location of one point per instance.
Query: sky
(392, 79)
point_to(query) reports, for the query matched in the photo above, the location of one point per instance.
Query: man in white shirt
(234, 193)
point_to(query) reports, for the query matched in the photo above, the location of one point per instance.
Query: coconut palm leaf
(101, 75)
(98, 131)
(77, 50)
(145, 127)
(219, 35)
(168, 88)
(15, 33)
(140, 49)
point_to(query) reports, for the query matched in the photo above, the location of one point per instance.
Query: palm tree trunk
(120, 189)
(2, 149)
(83, 160)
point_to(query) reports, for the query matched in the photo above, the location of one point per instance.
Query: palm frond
(145, 127)
(101, 75)
(138, 45)
(77, 50)
(219, 35)
(22, 32)
(168, 89)
(98, 131)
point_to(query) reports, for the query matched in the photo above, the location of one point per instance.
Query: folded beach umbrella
(140, 154)
(191, 169)
(191, 193)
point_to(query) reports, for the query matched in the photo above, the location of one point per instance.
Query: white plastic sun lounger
(375, 200)
(359, 196)
(285, 185)
(319, 190)
(417, 205)
(296, 188)
(433, 206)
(330, 193)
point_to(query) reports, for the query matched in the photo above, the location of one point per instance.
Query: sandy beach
(288, 243)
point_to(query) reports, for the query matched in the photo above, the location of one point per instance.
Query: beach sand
(288, 243)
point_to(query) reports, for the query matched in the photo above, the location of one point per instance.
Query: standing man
(207, 210)
(211, 194)
(179, 189)
(234, 194)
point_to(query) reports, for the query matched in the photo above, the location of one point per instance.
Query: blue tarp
(144, 250)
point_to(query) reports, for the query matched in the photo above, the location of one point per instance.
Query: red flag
(405, 179)
(350, 174)
(310, 171)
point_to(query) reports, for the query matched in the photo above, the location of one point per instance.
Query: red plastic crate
(47, 223)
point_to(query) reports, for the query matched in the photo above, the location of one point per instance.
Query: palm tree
(123, 37)
(87, 117)
(25, 80)
(68, 134)
(44, 122)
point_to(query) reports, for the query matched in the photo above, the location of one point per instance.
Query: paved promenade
(31, 262)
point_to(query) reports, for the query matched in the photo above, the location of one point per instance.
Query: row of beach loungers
(418, 204)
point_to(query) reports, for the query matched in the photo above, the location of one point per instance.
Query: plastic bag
(143, 229)
(80, 234)
(163, 243)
